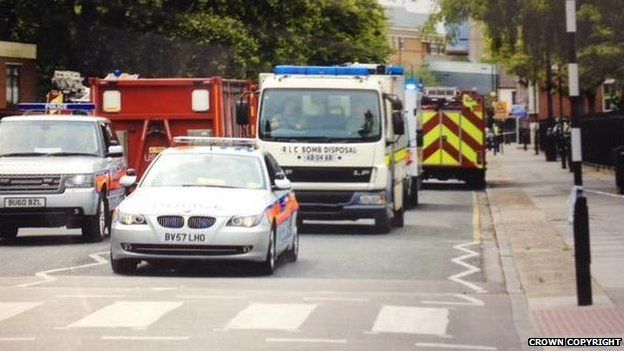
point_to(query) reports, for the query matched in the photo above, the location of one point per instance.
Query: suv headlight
(80, 181)
(246, 221)
(129, 219)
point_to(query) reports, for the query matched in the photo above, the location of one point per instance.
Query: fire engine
(454, 136)
(148, 113)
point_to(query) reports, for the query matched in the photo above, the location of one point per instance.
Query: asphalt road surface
(421, 287)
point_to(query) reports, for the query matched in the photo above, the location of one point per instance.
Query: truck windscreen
(320, 115)
(48, 138)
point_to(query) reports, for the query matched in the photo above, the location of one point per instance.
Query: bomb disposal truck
(338, 133)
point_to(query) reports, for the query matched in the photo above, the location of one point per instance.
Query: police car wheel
(123, 266)
(294, 247)
(268, 266)
(8, 232)
(94, 227)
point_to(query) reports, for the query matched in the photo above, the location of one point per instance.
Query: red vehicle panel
(148, 112)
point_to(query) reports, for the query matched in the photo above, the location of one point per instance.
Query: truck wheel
(413, 199)
(398, 218)
(94, 227)
(8, 232)
(123, 266)
(268, 266)
(476, 180)
(382, 224)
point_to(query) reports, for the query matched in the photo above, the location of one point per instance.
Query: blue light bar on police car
(321, 70)
(56, 107)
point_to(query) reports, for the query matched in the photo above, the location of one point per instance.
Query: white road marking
(413, 320)
(11, 309)
(470, 269)
(468, 301)
(82, 296)
(617, 196)
(308, 341)
(129, 314)
(271, 316)
(454, 346)
(345, 299)
(17, 338)
(47, 278)
(146, 338)
(215, 297)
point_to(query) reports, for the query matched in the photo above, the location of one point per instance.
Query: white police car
(208, 199)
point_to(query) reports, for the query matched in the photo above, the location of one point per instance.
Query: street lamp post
(581, 216)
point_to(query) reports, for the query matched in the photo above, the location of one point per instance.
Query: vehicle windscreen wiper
(16, 154)
(70, 154)
(207, 186)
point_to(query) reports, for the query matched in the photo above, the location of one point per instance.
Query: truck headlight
(373, 199)
(80, 181)
(246, 221)
(129, 219)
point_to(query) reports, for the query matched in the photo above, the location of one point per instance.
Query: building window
(12, 84)
(514, 97)
(609, 95)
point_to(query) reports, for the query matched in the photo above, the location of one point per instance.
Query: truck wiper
(16, 154)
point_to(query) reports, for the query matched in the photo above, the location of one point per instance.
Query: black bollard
(582, 255)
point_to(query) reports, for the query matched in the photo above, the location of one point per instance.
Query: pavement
(528, 201)
(427, 286)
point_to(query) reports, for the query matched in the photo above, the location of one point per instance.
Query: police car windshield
(206, 170)
(320, 115)
(48, 138)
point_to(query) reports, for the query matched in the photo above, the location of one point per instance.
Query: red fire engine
(148, 112)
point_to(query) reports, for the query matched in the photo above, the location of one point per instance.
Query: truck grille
(324, 197)
(171, 221)
(29, 183)
(201, 222)
(328, 174)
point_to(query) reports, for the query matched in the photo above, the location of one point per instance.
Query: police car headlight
(80, 181)
(246, 221)
(129, 219)
(373, 199)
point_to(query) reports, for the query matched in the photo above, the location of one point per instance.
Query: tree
(170, 38)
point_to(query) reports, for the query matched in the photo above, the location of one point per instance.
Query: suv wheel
(8, 232)
(294, 247)
(94, 227)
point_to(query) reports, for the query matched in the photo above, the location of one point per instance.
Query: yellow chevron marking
(448, 160)
(427, 115)
(399, 156)
(472, 130)
(434, 159)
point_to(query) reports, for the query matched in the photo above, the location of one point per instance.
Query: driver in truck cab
(290, 117)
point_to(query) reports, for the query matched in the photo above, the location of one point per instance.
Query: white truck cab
(339, 135)
(59, 170)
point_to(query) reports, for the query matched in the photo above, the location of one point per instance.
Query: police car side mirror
(115, 151)
(127, 180)
(283, 184)
(398, 123)
(242, 112)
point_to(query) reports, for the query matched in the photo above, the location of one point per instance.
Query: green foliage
(525, 35)
(184, 38)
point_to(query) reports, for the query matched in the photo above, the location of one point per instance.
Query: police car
(207, 199)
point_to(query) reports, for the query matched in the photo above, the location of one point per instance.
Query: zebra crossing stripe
(11, 309)
(412, 320)
(127, 314)
(272, 316)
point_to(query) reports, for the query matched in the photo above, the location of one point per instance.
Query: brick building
(18, 75)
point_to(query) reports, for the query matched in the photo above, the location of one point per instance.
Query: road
(350, 290)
